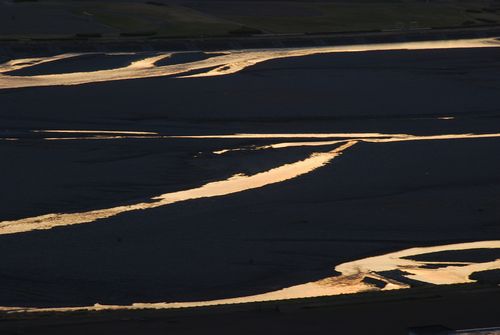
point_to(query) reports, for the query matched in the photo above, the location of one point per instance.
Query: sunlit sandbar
(236, 183)
(350, 279)
(230, 62)
(71, 131)
(368, 137)
(341, 137)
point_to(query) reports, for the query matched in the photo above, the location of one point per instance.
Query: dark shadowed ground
(380, 313)
(376, 197)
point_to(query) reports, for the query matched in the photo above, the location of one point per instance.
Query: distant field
(63, 19)
(293, 17)
(167, 20)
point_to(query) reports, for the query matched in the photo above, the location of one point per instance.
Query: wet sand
(374, 198)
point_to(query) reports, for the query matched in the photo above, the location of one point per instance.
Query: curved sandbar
(350, 280)
(232, 62)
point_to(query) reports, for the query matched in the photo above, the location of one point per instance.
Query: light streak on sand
(280, 146)
(101, 137)
(99, 134)
(292, 135)
(430, 137)
(88, 135)
(17, 64)
(452, 274)
(353, 274)
(237, 183)
(118, 134)
(231, 62)
(361, 137)
(264, 55)
(343, 137)
(349, 281)
(367, 137)
(125, 132)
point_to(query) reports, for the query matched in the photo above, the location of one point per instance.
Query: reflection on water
(228, 63)
(352, 279)
(234, 184)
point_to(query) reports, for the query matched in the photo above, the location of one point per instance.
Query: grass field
(165, 20)
(349, 17)
(217, 18)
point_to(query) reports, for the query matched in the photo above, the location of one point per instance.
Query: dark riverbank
(33, 47)
(454, 307)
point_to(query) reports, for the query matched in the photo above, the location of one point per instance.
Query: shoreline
(43, 47)
(350, 313)
(387, 272)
